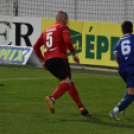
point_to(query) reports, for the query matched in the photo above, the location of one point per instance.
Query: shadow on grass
(96, 120)
(92, 119)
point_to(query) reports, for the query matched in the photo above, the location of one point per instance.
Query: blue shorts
(128, 75)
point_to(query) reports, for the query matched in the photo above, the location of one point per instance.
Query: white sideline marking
(35, 78)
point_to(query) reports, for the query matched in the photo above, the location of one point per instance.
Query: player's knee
(71, 81)
(131, 91)
(66, 80)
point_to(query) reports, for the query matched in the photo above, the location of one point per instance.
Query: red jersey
(56, 40)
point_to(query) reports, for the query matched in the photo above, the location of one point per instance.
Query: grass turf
(23, 110)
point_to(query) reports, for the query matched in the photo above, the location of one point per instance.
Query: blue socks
(126, 94)
(126, 102)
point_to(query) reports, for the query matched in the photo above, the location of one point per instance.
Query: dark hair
(127, 27)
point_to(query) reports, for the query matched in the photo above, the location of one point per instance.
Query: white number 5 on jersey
(125, 47)
(49, 40)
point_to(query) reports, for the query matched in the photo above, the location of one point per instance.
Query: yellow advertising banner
(93, 41)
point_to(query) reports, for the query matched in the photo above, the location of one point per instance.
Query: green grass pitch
(24, 111)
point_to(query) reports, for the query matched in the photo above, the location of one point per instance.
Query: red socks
(60, 90)
(74, 94)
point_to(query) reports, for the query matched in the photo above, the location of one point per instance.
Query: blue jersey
(125, 49)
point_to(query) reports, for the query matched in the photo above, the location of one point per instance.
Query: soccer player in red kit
(56, 40)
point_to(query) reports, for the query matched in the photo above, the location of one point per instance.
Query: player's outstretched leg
(60, 90)
(123, 111)
(126, 102)
(123, 105)
(75, 96)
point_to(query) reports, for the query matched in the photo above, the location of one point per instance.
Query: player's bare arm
(67, 40)
(37, 50)
(76, 59)
(42, 61)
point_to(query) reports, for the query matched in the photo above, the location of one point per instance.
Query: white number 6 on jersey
(125, 47)
(49, 41)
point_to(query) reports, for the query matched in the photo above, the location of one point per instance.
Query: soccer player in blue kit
(124, 56)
